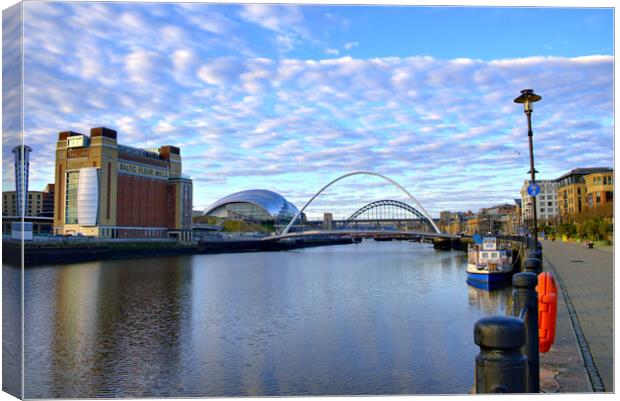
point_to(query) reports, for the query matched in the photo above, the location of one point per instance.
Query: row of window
(114, 232)
(605, 179)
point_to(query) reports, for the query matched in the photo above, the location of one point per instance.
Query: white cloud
(287, 42)
(141, 65)
(273, 17)
(207, 18)
(133, 21)
(449, 125)
(222, 71)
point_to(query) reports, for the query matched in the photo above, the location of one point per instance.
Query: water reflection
(11, 330)
(373, 318)
(496, 302)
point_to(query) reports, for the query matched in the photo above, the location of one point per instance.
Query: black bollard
(525, 306)
(501, 366)
(531, 243)
(536, 254)
(539, 254)
(532, 265)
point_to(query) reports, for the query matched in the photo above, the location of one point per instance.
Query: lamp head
(528, 97)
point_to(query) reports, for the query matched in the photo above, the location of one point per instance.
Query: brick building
(104, 189)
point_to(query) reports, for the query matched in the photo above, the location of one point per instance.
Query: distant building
(500, 219)
(328, 221)
(472, 224)
(105, 189)
(546, 202)
(455, 225)
(517, 218)
(34, 203)
(22, 168)
(40, 203)
(572, 190)
(257, 205)
(47, 209)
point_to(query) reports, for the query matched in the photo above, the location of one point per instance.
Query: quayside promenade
(581, 359)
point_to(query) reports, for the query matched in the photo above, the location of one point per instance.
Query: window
(71, 201)
(549, 203)
(598, 198)
(609, 196)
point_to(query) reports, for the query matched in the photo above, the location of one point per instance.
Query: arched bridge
(417, 210)
(387, 209)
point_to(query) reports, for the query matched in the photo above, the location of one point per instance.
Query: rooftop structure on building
(579, 171)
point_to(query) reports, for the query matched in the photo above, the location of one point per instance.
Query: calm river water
(371, 318)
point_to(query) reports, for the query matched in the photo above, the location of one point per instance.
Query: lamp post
(528, 97)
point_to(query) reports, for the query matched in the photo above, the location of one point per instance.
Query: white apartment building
(546, 201)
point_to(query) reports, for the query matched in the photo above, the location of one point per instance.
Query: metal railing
(508, 361)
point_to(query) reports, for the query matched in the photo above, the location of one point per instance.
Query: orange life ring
(547, 310)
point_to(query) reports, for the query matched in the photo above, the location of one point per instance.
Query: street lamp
(528, 97)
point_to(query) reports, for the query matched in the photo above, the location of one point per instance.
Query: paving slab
(562, 369)
(586, 280)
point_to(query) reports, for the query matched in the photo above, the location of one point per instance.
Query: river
(370, 318)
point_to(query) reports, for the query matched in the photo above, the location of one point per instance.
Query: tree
(596, 229)
(581, 230)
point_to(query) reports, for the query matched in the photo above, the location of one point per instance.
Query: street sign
(533, 189)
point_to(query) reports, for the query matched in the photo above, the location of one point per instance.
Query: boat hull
(489, 281)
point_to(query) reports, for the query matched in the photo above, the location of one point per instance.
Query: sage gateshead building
(259, 205)
(108, 190)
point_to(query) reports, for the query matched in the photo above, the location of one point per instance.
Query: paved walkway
(586, 275)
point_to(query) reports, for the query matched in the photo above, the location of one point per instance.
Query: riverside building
(546, 202)
(582, 188)
(104, 189)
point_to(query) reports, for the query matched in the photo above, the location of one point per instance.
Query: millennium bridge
(379, 219)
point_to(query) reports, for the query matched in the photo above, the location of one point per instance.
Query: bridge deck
(362, 233)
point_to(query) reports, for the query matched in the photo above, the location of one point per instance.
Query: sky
(290, 97)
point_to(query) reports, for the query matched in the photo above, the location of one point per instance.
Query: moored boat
(489, 265)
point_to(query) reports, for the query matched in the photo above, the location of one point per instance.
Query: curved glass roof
(275, 204)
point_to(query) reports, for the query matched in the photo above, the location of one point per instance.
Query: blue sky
(289, 97)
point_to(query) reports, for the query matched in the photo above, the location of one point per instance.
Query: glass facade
(255, 204)
(71, 216)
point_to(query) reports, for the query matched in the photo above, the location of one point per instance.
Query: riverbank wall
(59, 252)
